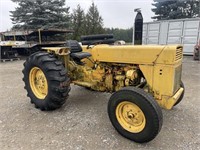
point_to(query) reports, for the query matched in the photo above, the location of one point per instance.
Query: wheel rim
(130, 117)
(38, 83)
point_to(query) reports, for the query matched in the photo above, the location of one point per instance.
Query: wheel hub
(130, 117)
(38, 83)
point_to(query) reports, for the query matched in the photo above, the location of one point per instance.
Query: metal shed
(177, 31)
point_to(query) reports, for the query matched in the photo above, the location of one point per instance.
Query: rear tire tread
(58, 81)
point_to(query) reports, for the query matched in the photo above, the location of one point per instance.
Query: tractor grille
(177, 78)
(179, 53)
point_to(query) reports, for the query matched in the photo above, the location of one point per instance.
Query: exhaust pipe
(138, 27)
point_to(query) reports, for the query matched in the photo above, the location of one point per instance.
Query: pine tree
(78, 22)
(121, 34)
(93, 21)
(176, 9)
(35, 14)
(192, 8)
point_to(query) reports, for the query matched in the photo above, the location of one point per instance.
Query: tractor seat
(76, 50)
(80, 55)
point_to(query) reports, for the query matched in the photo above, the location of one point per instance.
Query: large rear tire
(46, 81)
(135, 114)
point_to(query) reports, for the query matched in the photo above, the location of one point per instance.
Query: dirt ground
(83, 124)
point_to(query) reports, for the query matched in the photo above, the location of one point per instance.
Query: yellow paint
(126, 54)
(81, 83)
(164, 79)
(131, 54)
(130, 117)
(168, 102)
(57, 50)
(8, 43)
(147, 71)
(170, 55)
(164, 76)
(89, 62)
(130, 74)
(38, 83)
(112, 67)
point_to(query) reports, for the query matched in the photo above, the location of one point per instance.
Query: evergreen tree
(93, 21)
(35, 14)
(121, 34)
(78, 23)
(176, 9)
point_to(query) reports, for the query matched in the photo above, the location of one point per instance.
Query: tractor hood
(140, 54)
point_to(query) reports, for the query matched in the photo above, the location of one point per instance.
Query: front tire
(46, 81)
(135, 114)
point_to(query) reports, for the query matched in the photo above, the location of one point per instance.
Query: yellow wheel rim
(38, 83)
(130, 117)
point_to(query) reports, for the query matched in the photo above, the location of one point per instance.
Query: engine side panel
(130, 54)
(126, 54)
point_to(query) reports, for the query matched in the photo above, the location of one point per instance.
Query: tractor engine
(124, 75)
(106, 77)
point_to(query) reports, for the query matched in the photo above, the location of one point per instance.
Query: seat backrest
(74, 46)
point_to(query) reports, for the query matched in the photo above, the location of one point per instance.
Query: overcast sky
(116, 13)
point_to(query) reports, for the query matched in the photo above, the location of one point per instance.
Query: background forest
(55, 14)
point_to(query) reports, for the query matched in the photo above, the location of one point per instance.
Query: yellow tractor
(143, 79)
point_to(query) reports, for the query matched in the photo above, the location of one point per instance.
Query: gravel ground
(82, 123)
